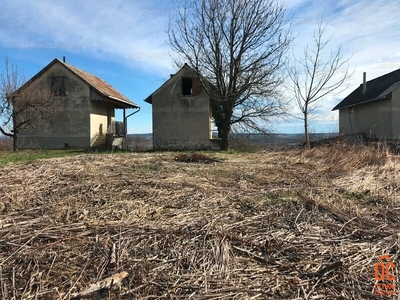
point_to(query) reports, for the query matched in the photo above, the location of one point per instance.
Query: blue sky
(124, 43)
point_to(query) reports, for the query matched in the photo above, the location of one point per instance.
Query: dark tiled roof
(377, 88)
(100, 85)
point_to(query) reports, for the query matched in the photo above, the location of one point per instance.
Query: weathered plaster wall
(373, 119)
(396, 114)
(180, 122)
(72, 125)
(101, 114)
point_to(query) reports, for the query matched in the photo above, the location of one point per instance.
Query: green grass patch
(30, 155)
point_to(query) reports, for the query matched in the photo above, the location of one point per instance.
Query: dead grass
(268, 225)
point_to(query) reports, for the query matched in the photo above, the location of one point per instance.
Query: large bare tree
(238, 46)
(23, 105)
(319, 72)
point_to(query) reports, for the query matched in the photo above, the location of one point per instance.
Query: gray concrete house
(373, 109)
(87, 111)
(182, 114)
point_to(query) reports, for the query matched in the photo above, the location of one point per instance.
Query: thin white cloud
(133, 33)
(123, 31)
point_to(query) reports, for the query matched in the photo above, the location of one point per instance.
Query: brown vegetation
(280, 225)
(138, 144)
(194, 157)
(6, 143)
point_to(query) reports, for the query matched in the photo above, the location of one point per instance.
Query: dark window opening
(58, 86)
(187, 86)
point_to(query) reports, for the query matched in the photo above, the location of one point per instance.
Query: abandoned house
(373, 109)
(182, 114)
(86, 115)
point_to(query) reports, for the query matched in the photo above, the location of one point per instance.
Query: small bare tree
(238, 47)
(23, 105)
(317, 74)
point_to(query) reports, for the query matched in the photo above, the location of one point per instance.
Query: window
(58, 86)
(191, 86)
(186, 86)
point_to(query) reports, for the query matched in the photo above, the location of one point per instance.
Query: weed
(194, 158)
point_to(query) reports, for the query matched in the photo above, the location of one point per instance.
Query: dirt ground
(289, 224)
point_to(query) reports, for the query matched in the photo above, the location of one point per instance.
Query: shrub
(242, 143)
(6, 144)
(139, 144)
(194, 157)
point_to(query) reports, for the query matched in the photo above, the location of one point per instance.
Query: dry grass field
(290, 224)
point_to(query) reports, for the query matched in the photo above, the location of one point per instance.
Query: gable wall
(396, 113)
(72, 124)
(180, 122)
(373, 119)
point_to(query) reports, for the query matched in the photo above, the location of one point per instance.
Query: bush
(139, 144)
(6, 144)
(243, 143)
(194, 157)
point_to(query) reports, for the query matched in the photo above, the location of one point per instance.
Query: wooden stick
(113, 257)
(104, 284)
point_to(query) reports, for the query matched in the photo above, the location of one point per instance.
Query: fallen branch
(105, 284)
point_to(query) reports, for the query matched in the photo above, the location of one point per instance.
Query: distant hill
(140, 135)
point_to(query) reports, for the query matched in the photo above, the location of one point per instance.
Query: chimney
(64, 59)
(364, 82)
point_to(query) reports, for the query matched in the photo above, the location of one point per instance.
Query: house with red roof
(86, 115)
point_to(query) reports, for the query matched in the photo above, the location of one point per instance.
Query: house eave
(149, 99)
(115, 102)
(123, 103)
(337, 107)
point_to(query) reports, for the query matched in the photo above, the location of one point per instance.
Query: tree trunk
(226, 128)
(14, 131)
(225, 138)
(15, 145)
(306, 135)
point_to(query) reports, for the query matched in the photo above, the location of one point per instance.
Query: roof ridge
(94, 81)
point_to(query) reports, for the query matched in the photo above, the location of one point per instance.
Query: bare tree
(238, 47)
(23, 105)
(318, 73)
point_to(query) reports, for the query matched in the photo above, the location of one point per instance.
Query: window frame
(184, 82)
(58, 86)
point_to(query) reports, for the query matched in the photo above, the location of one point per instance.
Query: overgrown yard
(270, 225)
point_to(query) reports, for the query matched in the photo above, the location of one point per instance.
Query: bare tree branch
(23, 105)
(238, 47)
(317, 74)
